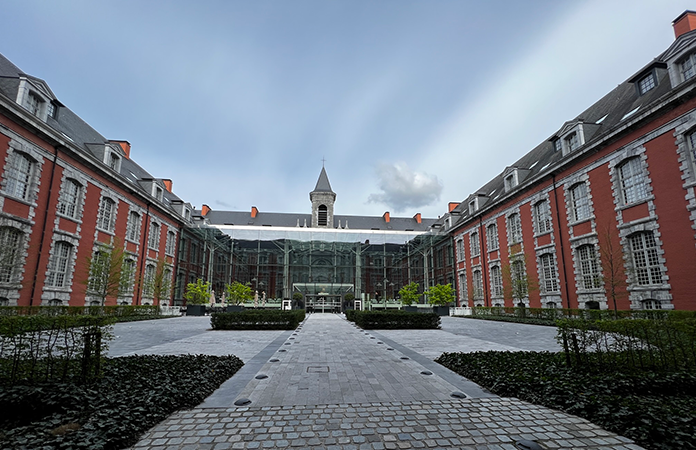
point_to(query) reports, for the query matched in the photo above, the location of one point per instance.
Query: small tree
(238, 292)
(197, 293)
(107, 272)
(516, 282)
(614, 275)
(159, 282)
(440, 294)
(409, 294)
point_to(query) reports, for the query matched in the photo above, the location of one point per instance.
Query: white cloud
(404, 188)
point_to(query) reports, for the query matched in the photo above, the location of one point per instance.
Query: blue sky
(413, 104)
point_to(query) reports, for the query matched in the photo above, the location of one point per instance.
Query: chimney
(125, 145)
(684, 23)
(451, 206)
(386, 216)
(167, 183)
(417, 217)
(205, 209)
(254, 212)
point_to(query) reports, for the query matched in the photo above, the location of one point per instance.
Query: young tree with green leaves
(197, 293)
(238, 293)
(440, 294)
(516, 282)
(158, 282)
(409, 294)
(613, 272)
(107, 268)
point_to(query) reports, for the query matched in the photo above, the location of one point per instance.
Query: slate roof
(323, 184)
(602, 118)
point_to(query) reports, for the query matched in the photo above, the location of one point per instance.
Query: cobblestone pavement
(331, 385)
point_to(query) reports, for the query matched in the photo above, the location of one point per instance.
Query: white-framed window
(520, 284)
(492, 237)
(510, 181)
(154, 239)
(632, 180)
(547, 264)
(645, 258)
(691, 143)
(113, 161)
(127, 282)
(68, 203)
(50, 110)
(651, 304)
(158, 192)
(460, 250)
(99, 272)
(107, 214)
(514, 228)
(590, 277)
(34, 103)
(133, 227)
(170, 247)
(542, 216)
(475, 244)
(646, 83)
(462, 287)
(557, 145)
(688, 67)
(149, 280)
(477, 280)
(59, 264)
(496, 282)
(18, 175)
(572, 141)
(579, 202)
(473, 206)
(11, 240)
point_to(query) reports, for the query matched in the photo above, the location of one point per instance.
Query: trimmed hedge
(121, 313)
(257, 320)
(656, 409)
(135, 394)
(395, 320)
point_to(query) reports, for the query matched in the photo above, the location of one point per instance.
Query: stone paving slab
(311, 400)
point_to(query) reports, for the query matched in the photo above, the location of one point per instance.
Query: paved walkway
(331, 385)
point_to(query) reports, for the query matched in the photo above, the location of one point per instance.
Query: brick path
(330, 385)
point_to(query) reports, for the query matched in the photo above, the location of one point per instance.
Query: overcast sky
(412, 104)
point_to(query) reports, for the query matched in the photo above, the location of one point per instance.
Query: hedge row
(42, 348)
(548, 316)
(394, 320)
(257, 320)
(657, 409)
(127, 312)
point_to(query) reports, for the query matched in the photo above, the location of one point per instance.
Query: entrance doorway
(323, 303)
(324, 297)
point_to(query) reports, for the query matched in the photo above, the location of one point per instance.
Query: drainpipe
(43, 228)
(138, 295)
(560, 241)
(484, 264)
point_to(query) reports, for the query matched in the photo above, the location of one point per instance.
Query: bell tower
(323, 199)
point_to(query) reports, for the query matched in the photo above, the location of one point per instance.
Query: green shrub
(656, 409)
(257, 320)
(396, 320)
(136, 393)
(120, 312)
(350, 314)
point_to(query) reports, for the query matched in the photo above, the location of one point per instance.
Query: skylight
(604, 117)
(547, 165)
(631, 112)
(535, 163)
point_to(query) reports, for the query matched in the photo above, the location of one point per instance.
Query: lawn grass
(655, 409)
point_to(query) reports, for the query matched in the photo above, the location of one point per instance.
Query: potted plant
(197, 295)
(297, 297)
(348, 301)
(441, 295)
(409, 295)
(237, 293)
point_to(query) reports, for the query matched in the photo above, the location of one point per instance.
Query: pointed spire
(323, 184)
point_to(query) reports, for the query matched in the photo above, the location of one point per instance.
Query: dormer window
(473, 206)
(157, 192)
(688, 67)
(646, 83)
(557, 145)
(187, 214)
(511, 180)
(572, 141)
(113, 160)
(34, 104)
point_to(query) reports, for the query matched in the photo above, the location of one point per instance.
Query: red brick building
(64, 190)
(606, 202)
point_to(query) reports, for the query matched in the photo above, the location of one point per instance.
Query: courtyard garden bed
(133, 394)
(257, 319)
(394, 320)
(655, 408)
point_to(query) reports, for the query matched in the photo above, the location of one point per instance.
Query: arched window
(542, 216)
(492, 237)
(154, 240)
(514, 228)
(107, 214)
(548, 280)
(645, 259)
(478, 284)
(579, 202)
(474, 244)
(59, 264)
(322, 220)
(149, 280)
(18, 175)
(496, 281)
(69, 197)
(590, 277)
(633, 181)
(133, 227)
(10, 242)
